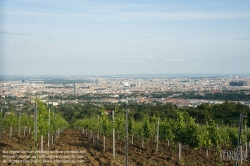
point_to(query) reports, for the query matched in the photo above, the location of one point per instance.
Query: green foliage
(181, 128)
(191, 133)
(26, 120)
(105, 124)
(233, 135)
(10, 120)
(225, 111)
(148, 129)
(74, 112)
(214, 135)
(204, 138)
(165, 130)
(139, 129)
(248, 119)
(185, 130)
(131, 125)
(42, 119)
(120, 124)
(56, 121)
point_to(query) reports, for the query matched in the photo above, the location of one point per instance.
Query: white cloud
(11, 33)
(113, 15)
(174, 60)
(153, 58)
(246, 37)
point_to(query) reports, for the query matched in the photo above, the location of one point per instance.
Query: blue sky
(90, 37)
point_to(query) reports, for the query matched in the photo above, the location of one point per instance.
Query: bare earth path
(74, 140)
(69, 140)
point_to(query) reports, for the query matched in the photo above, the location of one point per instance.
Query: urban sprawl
(120, 89)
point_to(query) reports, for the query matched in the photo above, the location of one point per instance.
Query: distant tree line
(227, 112)
(226, 95)
(202, 114)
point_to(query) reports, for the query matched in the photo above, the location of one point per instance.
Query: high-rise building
(74, 88)
(238, 83)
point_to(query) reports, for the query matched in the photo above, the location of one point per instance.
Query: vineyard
(151, 141)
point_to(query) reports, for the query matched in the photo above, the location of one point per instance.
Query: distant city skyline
(49, 37)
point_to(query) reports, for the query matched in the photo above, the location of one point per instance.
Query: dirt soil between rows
(91, 154)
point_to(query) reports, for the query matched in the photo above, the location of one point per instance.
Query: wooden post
(98, 136)
(10, 132)
(246, 151)
(19, 120)
(179, 151)
(239, 146)
(246, 155)
(24, 130)
(132, 139)
(1, 124)
(42, 143)
(113, 118)
(126, 127)
(49, 127)
(157, 136)
(104, 147)
(241, 155)
(35, 125)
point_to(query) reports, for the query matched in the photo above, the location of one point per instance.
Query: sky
(97, 37)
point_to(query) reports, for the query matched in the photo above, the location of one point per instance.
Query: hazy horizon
(177, 75)
(48, 37)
